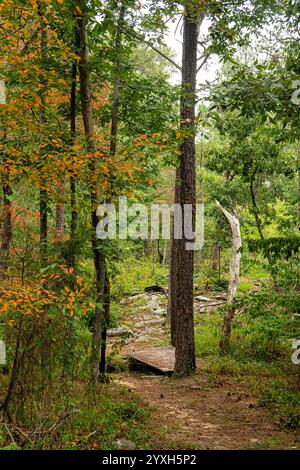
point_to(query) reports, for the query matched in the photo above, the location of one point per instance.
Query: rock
(220, 297)
(154, 289)
(159, 311)
(158, 321)
(124, 444)
(142, 339)
(201, 298)
(120, 331)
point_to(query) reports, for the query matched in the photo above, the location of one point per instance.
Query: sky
(174, 40)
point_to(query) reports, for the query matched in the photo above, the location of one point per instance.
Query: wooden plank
(161, 359)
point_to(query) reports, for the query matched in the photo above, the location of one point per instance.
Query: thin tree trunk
(160, 254)
(185, 362)
(299, 198)
(260, 231)
(73, 195)
(164, 259)
(113, 150)
(215, 257)
(255, 210)
(60, 214)
(99, 258)
(105, 326)
(6, 220)
(234, 274)
(116, 91)
(42, 117)
(14, 374)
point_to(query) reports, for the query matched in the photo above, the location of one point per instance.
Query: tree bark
(6, 220)
(43, 120)
(298, 179)
(260, 231)
(60, 214)
(73, 195)
(164, 258)
(234, 274)
(215, 257)
(113, 150)
(99, 258)
(255, 209)
(185, 361)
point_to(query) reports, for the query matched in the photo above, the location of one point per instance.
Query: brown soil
(196, 413)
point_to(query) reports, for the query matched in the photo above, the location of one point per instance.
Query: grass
(135, 275)
(260, 350)
(99, 420)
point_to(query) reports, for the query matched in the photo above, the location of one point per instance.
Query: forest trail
(199, 413)
(204, 411)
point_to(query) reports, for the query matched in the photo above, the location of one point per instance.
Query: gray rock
(124, 444)
(201, 298)
(120, 331)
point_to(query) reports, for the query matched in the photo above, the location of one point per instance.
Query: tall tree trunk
(73, 195)
(185, 362)
(113, 149)
(215, 257)
(234, 274)
(6, 220)
(298, 179)
(116, 90)
(42, 117)
(99, 258)
(255, 210)
(165, 249)
(260, 231)
(105, 326)
(60, 214)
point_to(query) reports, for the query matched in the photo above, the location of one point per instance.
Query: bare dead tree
(234, 223)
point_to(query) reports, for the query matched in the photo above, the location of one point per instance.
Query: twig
(9, 433)
(57, 423)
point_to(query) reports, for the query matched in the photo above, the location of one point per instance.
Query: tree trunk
(6, 220)
(255, 210)
(299, 198)
(60, 214)
(215, 257)
(234, 274)
(260, 231)
(164, 259)
(113, 149)
(99, 258)
(42, 117)
(105, 326)
(73, 195)
(185, 362)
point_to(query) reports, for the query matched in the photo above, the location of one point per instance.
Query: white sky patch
(173, 39)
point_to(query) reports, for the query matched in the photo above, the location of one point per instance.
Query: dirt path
(199, 412)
